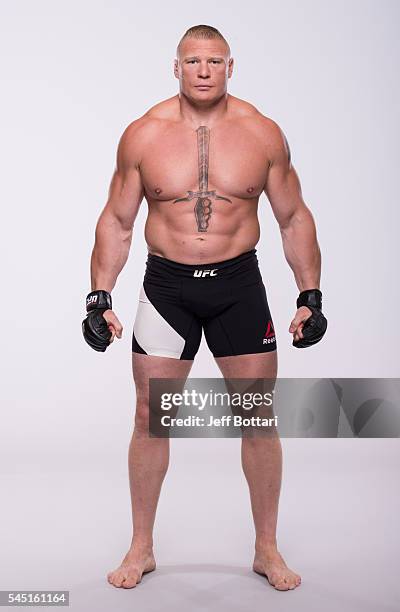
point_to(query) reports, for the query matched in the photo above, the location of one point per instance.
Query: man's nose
(204, 70)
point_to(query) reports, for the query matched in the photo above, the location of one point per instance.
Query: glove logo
(91, 300)
(269, 336)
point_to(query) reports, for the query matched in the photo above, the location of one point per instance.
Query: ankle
(142, 543)
(264, 544)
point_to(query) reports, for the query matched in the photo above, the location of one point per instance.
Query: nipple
(250, 189)
(158, 190)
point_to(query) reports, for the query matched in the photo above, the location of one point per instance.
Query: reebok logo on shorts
(269, 336)
(202, 273)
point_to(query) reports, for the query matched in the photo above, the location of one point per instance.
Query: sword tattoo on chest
(203, 206)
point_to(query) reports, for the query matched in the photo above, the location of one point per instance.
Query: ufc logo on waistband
(205, 272)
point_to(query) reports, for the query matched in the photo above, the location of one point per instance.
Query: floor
(66, 523)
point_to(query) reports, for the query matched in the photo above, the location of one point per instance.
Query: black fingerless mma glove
(315, 327)
(94, 327)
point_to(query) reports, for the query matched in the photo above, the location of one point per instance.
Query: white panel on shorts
(153, 333)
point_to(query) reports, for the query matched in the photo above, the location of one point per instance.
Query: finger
(298, 334)
(117, 330)
(293, 329)
(303, 313)
(298, 320)
(306, 312)
(112, 320)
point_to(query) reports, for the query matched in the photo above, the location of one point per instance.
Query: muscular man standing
(201, 159)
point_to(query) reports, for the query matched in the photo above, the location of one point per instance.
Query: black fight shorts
(226, 299)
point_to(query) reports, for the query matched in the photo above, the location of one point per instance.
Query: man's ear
(230, 67)
(176, 73)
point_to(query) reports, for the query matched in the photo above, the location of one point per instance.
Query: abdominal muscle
(171, 231)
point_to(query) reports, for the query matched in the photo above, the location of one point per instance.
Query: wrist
(98, 299)
(310, 297)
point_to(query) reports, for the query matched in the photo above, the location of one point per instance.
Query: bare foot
(270, 563)
(137, 561)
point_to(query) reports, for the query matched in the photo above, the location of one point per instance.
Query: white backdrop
(78, 73)
(74, 75)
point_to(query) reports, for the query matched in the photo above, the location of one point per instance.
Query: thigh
(257, 365)
(145, 367)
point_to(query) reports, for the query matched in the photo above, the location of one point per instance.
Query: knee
(142, 416)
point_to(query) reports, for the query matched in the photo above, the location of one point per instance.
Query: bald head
(202, 32)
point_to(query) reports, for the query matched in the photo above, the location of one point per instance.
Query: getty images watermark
(200, 400)
(288, 407)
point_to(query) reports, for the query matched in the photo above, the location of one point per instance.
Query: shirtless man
(201, 159)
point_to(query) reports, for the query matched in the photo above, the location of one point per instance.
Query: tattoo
(203, 208)
(203, 147)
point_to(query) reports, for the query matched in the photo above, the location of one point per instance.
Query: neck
(202, 114)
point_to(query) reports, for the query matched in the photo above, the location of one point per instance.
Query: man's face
(203, 68)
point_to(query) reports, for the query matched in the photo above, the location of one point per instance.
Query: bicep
(284, 193)
(126, 192)
(125, 196)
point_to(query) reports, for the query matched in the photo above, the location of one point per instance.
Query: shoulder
(142, 131)
(264, 127)
(275, 139)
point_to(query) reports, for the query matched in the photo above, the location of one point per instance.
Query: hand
(308, 326)
(113, 324)
(296, 327)
(101, 324)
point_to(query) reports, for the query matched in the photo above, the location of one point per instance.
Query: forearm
(110, 252)
(301, 249)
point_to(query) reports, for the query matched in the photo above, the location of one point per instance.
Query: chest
(231, 160)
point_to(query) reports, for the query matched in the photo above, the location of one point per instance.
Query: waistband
(162, 266)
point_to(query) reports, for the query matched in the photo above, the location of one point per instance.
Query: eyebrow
(196, 57)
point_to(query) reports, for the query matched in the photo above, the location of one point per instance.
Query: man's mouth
(203, 86)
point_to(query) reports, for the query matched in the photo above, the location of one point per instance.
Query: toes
(111, 577)
(289, 584)
(129, 583)
(297, 580)
(285, 584)
(282, 586)
(278, 583)
(119, 581)
(116, 578)
(132, 579)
